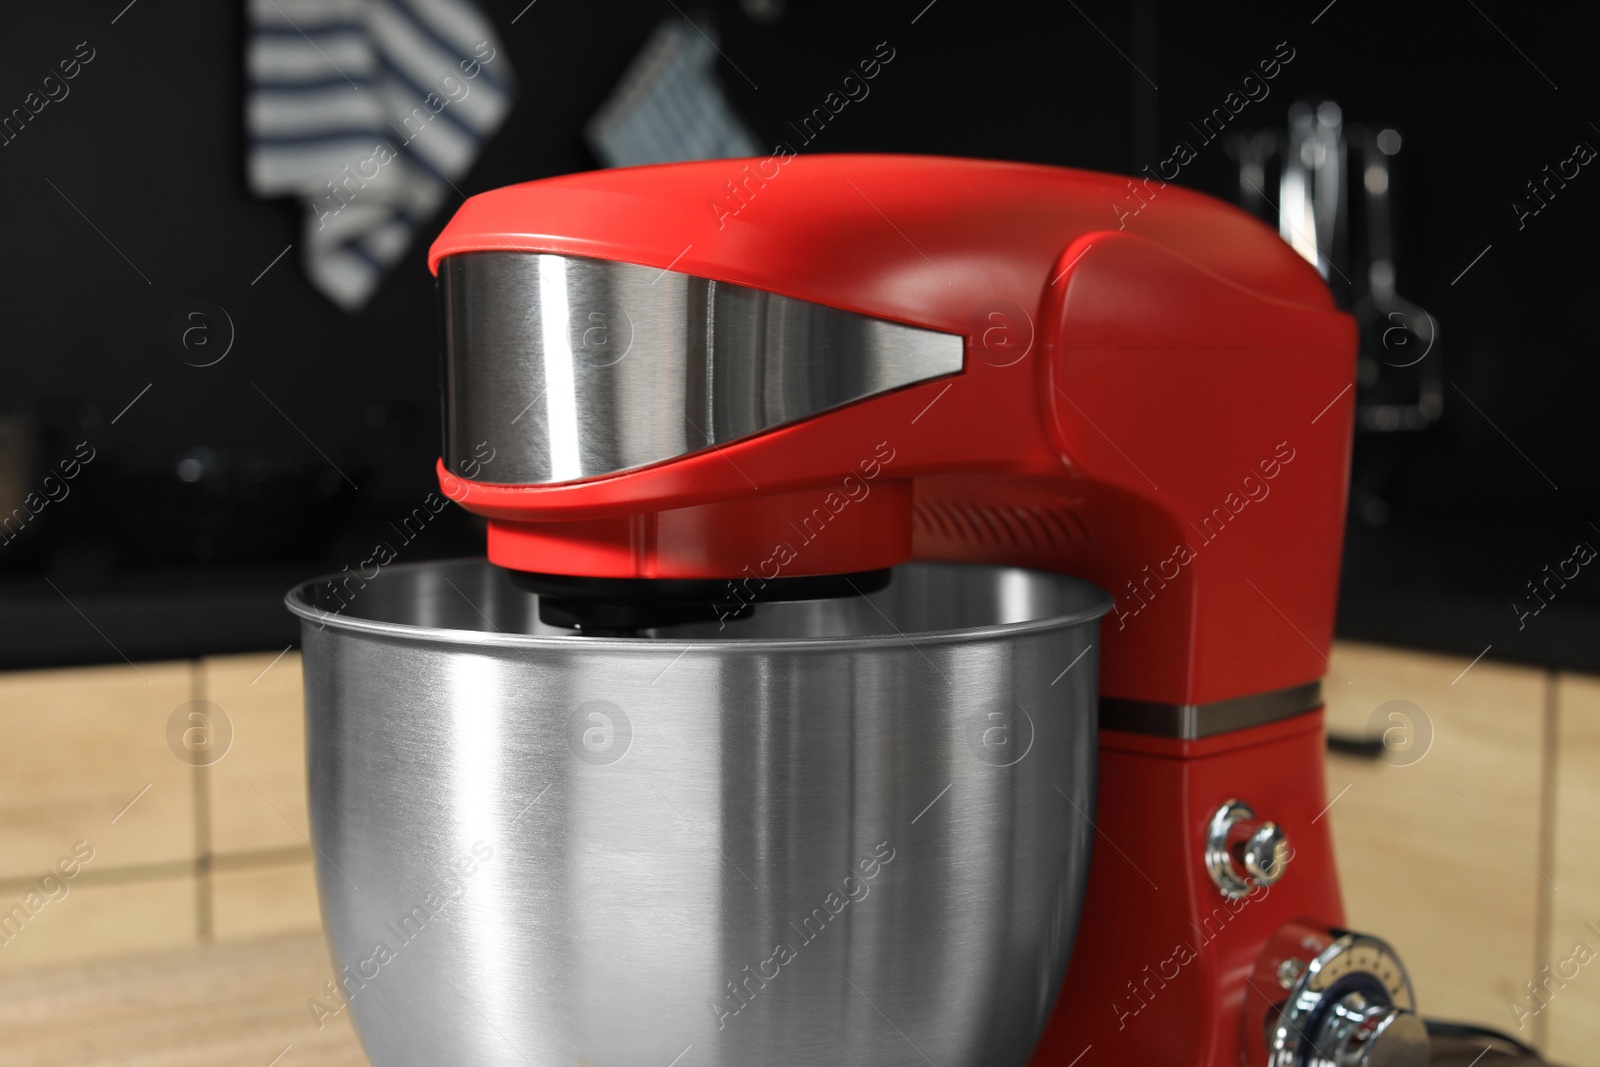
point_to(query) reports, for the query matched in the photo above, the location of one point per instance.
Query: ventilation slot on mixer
(1022, 528)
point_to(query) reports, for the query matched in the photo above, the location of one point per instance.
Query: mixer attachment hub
(621, 607)
(1349, 1003)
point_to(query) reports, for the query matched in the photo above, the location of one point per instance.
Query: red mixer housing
(1160, 403)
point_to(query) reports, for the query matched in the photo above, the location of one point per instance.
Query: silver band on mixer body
(764, 843)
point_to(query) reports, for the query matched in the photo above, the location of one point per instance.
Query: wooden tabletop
(235, 1005)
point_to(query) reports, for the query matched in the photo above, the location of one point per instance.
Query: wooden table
(234, 1005)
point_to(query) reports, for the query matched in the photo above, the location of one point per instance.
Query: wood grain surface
(236, 1005)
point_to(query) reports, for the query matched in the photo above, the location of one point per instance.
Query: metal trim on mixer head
(1190, 722)
(573, 368)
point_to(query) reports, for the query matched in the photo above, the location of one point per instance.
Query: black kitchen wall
(126, 200)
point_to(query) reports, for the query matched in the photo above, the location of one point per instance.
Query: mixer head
(567, 369)
(669, 410)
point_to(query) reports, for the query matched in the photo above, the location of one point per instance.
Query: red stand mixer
(925, 359)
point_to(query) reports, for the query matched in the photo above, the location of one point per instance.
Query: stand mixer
(788, 721)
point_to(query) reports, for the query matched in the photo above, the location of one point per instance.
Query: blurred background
(232, 429)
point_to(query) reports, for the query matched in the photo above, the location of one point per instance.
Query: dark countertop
(181, 613)
(71, 603)
(1458, 581)
(162, 614)
(1564, 638)
(1437, 582)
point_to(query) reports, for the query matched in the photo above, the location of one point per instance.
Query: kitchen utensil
(717, 839)
(870, 397)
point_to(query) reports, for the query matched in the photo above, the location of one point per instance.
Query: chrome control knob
(1347, 1002)
(1265, 853)
(1243, 852)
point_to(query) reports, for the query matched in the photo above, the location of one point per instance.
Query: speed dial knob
(1332, 998)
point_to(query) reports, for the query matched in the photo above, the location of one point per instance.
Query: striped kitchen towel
(369, 112)
(669, 106)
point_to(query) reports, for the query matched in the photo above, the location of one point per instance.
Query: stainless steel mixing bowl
(847, 831)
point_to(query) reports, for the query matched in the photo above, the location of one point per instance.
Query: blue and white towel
(669, 106)
(369, 112)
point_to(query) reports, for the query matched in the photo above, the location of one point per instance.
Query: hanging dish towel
(369, 112)
(669, 106)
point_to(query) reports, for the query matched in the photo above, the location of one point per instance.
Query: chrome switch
(1243, 852)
